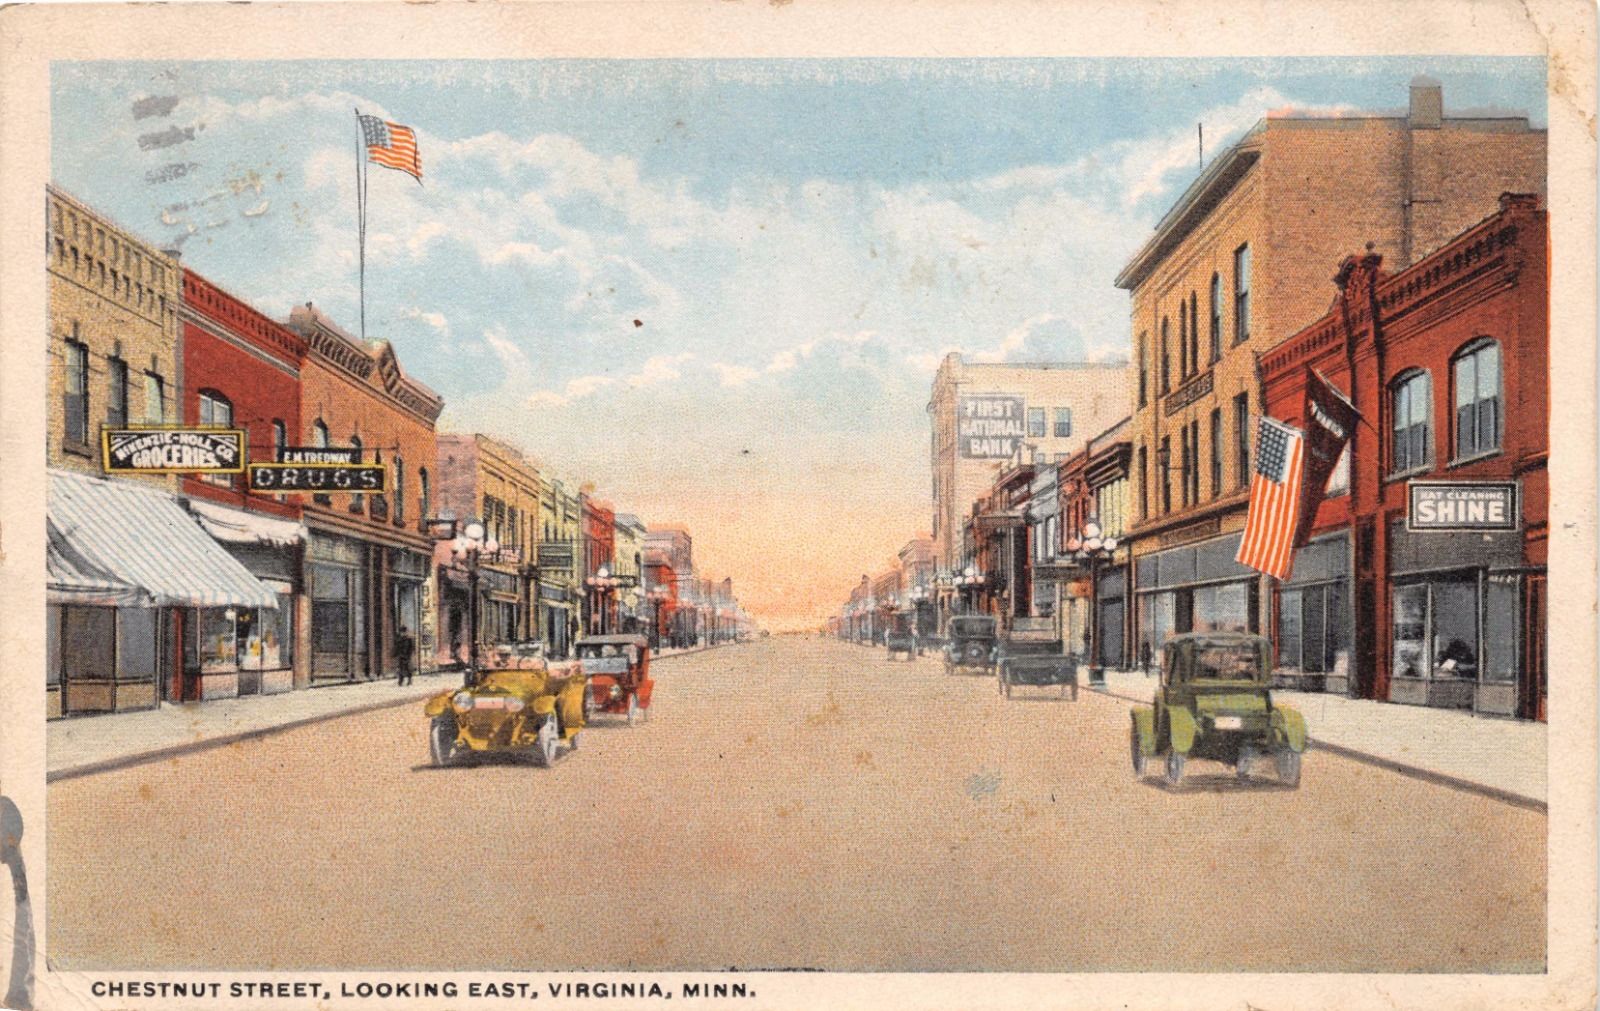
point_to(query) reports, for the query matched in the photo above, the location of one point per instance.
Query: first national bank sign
(990, 426)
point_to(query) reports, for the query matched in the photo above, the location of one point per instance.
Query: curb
(1391, 765)
(223, 740)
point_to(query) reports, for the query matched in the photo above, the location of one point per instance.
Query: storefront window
(1502, 628)
(1410, 631)
(1223, 608)
(330, 609)
(218, 641)
(1290, 608)
(251, 646)
(1455, 630)
(52, 644)
(136, 643)
(277, 648)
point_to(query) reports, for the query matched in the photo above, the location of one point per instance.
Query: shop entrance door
(1530, 704)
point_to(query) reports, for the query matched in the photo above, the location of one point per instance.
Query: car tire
(546, 742)
(1242, 769)
(633, 709)
(1289, 767)
(442, 741)
(1141, 761)
(1175, 763)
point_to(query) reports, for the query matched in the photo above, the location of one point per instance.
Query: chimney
(1427, 103)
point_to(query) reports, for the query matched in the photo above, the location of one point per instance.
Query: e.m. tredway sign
(172, 450)
(990, 426)
(345, 478)
(319, 454)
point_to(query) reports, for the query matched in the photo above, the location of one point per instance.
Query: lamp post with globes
(658, 595)
(602, 584)
(468, 548)
(967, 581)
(1089, 545)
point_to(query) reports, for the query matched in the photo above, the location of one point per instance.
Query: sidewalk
(83, 745)
(1496, 757)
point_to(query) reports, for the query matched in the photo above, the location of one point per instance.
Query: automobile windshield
(972, 626)
(1234, 662)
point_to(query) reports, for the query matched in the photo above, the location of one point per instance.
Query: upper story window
(1183, 340)
(77, 396)
(1241, 293)
(280, 438)
(319, 435)
(117, 393)
(399, 490)
(1216, 316)
(1063, 429)
(422, 493)
(1412, 398)
(215, 409)
(155, 399)
(1143, 370)
(1194, 332)
(1166, 359)
(1476, 374)
(1035, 422)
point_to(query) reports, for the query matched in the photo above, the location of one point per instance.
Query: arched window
(1194, 332)
(319, 435)
(422, 494)
(1166, 359)
(355, 443)
(1411, 397)
(280, 438)
(1144, 366)
(1183, 340)
(1476, 375)
(215, 409)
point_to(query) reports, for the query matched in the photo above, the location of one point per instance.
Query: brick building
(599, 614)
(484, 480)
(673, 547)
(560, 565)
(369, 557)
(242, 370)
(1448, 362)
(1093, 488)
(1236, 266)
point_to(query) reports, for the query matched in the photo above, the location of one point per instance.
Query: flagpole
(361, 222)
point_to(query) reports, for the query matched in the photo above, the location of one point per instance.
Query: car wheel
(1175, 760)
(442, 741)
(1289, 767)
(633, 709)
(1247, 756)
(1141, 761)
(546, 742)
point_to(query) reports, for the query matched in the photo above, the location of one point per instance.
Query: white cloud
(734, 375)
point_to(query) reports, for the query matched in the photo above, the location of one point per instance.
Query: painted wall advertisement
(990, 426)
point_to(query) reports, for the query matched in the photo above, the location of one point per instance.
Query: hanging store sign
(1462, 505)
(990, 427)
(319, 478)
(319, 454)
(172, 450)
(555, 556)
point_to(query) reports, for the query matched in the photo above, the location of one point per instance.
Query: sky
(716, 290)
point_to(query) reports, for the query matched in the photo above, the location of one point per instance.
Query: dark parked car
(1030, 653)
(901, 635)
(972, 643)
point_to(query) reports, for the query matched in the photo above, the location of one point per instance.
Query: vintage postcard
(798, 505)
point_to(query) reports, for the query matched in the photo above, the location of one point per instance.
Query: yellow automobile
(519, 706)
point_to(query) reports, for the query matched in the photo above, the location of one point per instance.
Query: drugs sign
(1462, 505)
(320, 478)
(990, 427)
(172, 450)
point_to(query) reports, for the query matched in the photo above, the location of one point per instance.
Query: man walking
(404, 647)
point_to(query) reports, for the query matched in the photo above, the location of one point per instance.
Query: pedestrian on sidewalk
(404, 647)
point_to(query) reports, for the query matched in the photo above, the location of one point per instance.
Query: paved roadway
(793, 803)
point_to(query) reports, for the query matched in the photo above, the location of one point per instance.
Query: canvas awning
(143, 539)
(235, 526)
(67, 582)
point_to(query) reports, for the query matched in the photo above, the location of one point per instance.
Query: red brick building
(242, 370)
(599, 554)
(1440, 512)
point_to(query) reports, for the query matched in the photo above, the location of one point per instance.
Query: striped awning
(235, 526)
(68, 582)
(142, 538)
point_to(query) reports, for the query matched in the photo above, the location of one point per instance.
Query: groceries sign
(1462, 505)
(990, 427)
(172, 450)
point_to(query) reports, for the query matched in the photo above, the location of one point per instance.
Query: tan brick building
(113, 319)
(1240, 263)
(987, 416)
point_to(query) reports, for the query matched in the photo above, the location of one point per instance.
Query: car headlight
(514, 704)
(616, 692)
(462, 701)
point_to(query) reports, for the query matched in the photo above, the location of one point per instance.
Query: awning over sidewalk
(142, 538)
(68, 583)
(235, 526)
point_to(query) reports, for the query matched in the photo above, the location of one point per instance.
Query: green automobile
(1213, 703)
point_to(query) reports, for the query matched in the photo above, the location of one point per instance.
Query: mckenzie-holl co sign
(989, 426)
(1462, 505)
(172, 450)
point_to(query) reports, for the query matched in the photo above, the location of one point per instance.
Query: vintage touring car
(618, 670)
(520, 705)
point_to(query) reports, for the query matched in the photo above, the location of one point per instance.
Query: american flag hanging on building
(392, 145)
(1275, 489)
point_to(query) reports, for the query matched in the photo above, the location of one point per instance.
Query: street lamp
(469, 548)
(1090, 545)
(967, 579)
(658, 595)
(602, 584)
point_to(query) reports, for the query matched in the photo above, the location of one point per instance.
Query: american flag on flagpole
(1275, 489)
(391, 145)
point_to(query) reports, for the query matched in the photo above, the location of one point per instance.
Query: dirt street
(793, 802)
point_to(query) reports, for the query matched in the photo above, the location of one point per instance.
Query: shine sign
(1462, 505)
